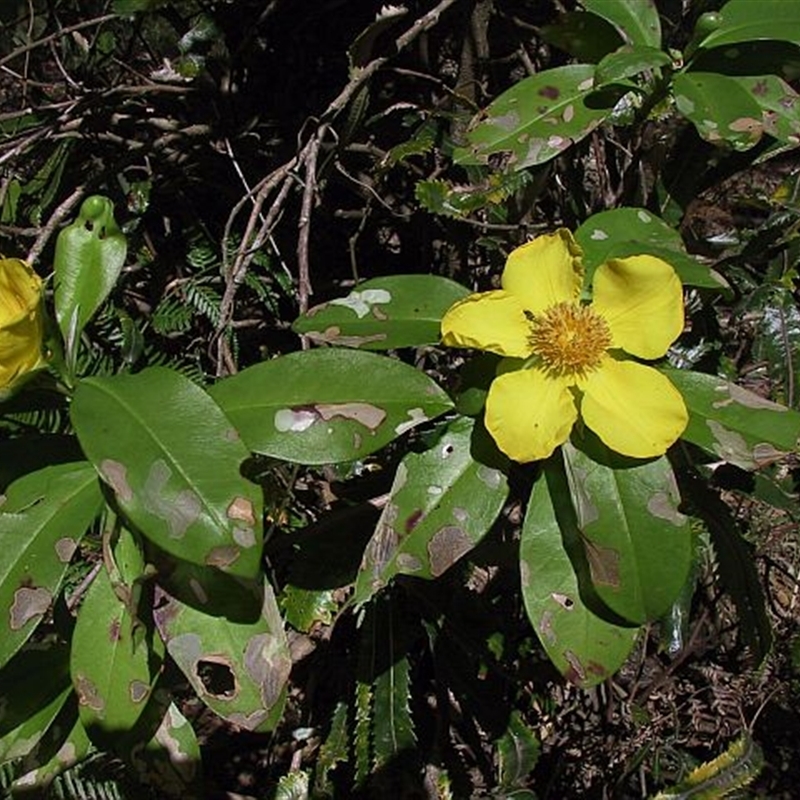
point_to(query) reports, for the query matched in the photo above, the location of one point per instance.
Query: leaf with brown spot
(43, 519)
(441, 504)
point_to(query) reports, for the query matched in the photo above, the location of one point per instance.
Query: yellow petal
(529, 414)
(21, 324)
(545, 271)
(634, 409)
(641, 299)
(493, 321)
(20, 290)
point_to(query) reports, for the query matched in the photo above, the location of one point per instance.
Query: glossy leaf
(584, 647)
(587, 37)
(34, 686)
(638, 545)
(327, 405)
(720, 107)
(518, 751)
(42, 521)
(441, 504)
(780, 106)
(636, 20)
(735, 424)
(622, 232)
(115, 658)
(744, 20)
(383, 314)
(88, 261)
(536, 120)
(173, 459)
(627, 62)
(239, 670)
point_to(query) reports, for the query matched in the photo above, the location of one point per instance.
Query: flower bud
(21, 323)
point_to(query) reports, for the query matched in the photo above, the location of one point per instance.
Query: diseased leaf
(441, 504)
(720, 107)
(780, 106)
(383, 314)
(149, 436)
(42, 521)
(638, 545)
(115, 658)
(733, 423)
(238, 669)
(583, 646)
(536, 119)
(327, 405)
(636, 20)
(628, 231)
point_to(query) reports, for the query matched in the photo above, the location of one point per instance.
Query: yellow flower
(565, 358)
(21, 324)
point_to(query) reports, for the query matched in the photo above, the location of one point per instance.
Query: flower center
(569, 338)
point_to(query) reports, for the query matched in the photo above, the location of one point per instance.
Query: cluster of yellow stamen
(569, 338)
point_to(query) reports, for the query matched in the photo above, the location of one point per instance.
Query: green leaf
(327, 405)
(239, 670)
(733, 423)
(638, 545)
(34, 686)
(780, 106)
(536, 119)
(441, 504)
(628, 62)
(384, 313)
(518, 751)
(636, 20)
(584, 647)
(393, 732)
(585, 36)
(720, 107)
(628, 231)
(42, 521)
(460, 200)
(65, 744)
(173, 458)
(88, 261)
(115, 658)
(334, 750)
(744, 20)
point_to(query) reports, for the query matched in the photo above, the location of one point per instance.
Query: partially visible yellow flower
(565, 358)
(21, 324)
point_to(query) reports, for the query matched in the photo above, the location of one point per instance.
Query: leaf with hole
(584, 647)
(441, 504)
(238, 669)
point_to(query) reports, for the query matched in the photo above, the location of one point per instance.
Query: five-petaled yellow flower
(566, 358)
(21, 324)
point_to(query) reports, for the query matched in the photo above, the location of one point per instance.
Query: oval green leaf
(536, 119)
(628, 62)
(42, 521)
(720, 107)
(239, 670)
(745, 20)
(638, 545)
(735, 424)
(89, 257)
(584, 647)
(114, 659)
(384, 313)
(173, 459)
(327, 405)
(636, 20)
(441, 504)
